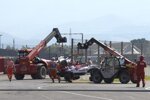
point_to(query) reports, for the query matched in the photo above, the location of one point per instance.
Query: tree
(25, 47)
(142, 44)
(8, 47)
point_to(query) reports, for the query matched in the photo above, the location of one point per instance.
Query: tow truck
(28, 61)
(111, 67)
(3, 64)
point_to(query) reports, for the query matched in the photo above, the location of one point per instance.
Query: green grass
(147, 78)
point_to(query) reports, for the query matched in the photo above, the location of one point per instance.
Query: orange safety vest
(53, 70)
(10, 69)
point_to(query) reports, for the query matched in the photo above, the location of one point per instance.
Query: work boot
(137, 85)
(59, 80)
(70, 81)
(143, 85)
(53, 80)
(9, 79)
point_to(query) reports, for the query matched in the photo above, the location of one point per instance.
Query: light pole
(0, 40)
(74, 34)
(70, 34)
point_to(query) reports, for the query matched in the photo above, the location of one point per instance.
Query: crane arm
(106, 48)
(55, 33)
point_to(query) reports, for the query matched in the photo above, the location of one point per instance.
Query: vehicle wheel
(133, 76)
(19, 76)
(34, 76)
(91, 75)
(133, 80)
(68, 77)
(41, 72)
(4, 71)
(90, 78)
(124, 77)
(75, 77)
(109, 80)
(97, 77)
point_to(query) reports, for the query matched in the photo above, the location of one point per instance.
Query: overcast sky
(36, 18)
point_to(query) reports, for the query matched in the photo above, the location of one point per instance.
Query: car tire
(109, 80)
(68, 77)
(41, 72)
(124, 77)
(19, 76)
(97, 77)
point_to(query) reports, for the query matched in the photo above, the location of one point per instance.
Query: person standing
(54, 71)
(141, 64)
(10, 69)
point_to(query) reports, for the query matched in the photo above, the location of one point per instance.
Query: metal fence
(130, 50)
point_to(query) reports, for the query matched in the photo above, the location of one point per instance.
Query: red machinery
(3, 61)
(29, 63)
(121, 72)
(2, 64)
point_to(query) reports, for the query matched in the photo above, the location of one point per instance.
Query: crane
(128, 67)
(29, 63)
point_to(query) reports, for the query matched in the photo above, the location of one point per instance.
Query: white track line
(148, 88)
(46, 97)
(88, 96)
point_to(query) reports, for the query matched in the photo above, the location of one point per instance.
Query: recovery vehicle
(3, 64)
(112, 67)
(71, 71)
(28, 62)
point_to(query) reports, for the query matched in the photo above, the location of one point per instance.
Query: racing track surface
(29, 89)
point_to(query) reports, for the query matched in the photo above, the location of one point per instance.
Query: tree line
(56, 50)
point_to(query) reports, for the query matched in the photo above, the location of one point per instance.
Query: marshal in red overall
(140, 71)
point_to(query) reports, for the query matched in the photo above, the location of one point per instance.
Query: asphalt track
(29, 89)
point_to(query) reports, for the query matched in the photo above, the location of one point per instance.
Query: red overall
(10, 69)
(53, 72)
(140, 71)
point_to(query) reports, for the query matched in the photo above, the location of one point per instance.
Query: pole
(14, 44)
(49, 51)
(86, 53)
(141, 48)
(110, 44)
(98, 60)
(71, 50)
(132, 45)
(70, 34)
(82, 37)
(82, 42)
(0, 40)
(121, 48)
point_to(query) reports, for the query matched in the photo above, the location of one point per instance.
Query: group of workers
(56, 67)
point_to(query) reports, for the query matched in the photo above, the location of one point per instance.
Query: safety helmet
(141, 58)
